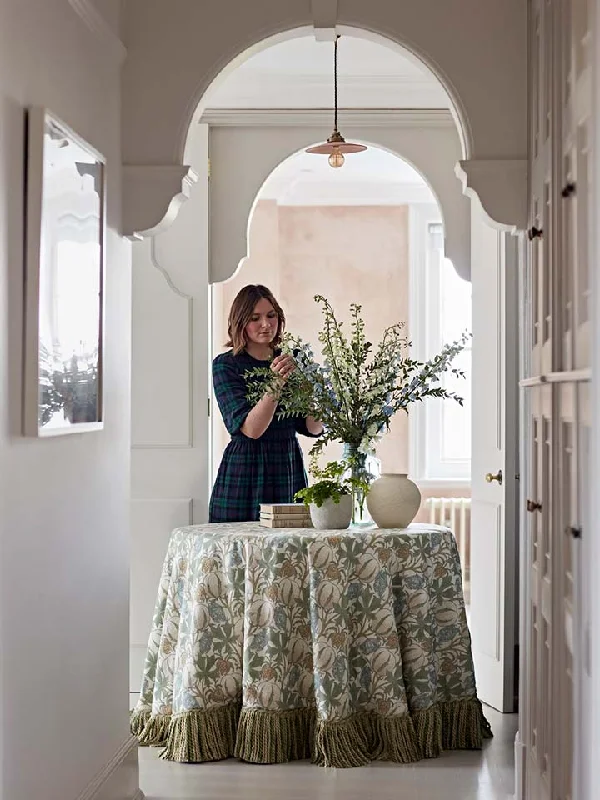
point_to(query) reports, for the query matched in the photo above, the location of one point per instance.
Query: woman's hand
(260, 417)
(283, 366)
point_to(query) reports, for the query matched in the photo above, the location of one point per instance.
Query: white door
(169, 426)
(556, 386)
(494, 471)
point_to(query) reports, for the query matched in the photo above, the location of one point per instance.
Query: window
(440, 430)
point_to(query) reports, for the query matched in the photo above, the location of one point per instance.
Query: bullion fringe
(138, 721)
(260, 736)
(362, 738)
(274, 737)
(202, 735)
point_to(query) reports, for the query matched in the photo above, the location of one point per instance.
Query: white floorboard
(459, 775)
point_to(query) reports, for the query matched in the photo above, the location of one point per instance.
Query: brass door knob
(497, 477)
(533, 506)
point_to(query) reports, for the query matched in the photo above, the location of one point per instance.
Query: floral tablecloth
(340, 646)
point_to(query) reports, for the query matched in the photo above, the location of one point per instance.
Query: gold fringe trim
(464, 726)
(428, 728)
(154, 732)
(363, 738)
(454, 725)
(138, 721)
(275, 737)
(202, 735)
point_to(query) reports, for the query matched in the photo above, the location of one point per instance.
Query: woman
(263, 461)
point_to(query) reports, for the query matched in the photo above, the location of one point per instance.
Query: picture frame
(65, 228)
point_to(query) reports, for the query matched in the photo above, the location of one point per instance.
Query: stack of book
(284, 515)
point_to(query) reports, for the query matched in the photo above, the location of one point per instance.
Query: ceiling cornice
(96, 23)
(358, 79)
(310, 117)
(366, 192)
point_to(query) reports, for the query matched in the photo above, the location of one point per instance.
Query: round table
(279, 644)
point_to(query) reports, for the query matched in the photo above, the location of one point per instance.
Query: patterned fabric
(253, 471)
(339, 624)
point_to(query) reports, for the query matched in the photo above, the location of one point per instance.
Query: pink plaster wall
(348, 254)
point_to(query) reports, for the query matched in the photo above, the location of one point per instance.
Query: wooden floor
(460, 775)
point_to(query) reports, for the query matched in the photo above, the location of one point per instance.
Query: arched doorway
(187, 262)
(156, 151)
(344, 235)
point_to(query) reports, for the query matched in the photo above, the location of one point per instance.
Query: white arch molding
(246, 145)
(162, 95)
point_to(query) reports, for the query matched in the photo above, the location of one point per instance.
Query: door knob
(533, 506)
(491, 477)
(568, 190)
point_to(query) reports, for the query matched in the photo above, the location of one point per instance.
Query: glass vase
(365, 467)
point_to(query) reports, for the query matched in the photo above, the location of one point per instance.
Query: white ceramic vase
(393, 500)
(332, 516)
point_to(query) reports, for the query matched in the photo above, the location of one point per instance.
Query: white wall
(169, 477)
(64, 538)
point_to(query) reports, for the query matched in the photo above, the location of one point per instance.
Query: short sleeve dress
(269, 469)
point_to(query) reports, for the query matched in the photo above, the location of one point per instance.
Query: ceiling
(299, 74)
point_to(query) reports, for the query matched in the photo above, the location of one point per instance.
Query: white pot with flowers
(329, 496)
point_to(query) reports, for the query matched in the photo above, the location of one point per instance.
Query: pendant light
(336, 145)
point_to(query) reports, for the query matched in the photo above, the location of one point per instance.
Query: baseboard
(520, 752)
(119, 779)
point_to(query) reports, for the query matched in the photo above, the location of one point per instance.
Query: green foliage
(319, 492)
(333, 482)
(355, 392)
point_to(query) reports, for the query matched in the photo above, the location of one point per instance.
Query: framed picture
(64, 279)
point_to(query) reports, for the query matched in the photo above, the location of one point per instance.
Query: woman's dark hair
(241, 313)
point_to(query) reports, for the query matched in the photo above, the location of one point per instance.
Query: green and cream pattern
(340, 646)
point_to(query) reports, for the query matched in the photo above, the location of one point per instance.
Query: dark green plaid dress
(253, 471)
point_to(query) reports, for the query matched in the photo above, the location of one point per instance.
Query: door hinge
(208, 406)
(208, 167)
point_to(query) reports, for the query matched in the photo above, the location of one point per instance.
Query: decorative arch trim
(152, 197)
(164, 88)
(262, 147)
(501, 186)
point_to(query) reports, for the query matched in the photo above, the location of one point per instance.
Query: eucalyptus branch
(355, 392)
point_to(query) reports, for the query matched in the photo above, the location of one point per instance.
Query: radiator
(454, 513)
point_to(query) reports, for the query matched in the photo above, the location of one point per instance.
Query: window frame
(424, 310)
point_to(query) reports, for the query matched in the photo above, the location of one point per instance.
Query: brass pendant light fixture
(336, 145)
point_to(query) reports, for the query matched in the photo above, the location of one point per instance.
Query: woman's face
(263, 325)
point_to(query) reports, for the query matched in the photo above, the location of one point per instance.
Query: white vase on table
(393, 500)
(332, 516)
